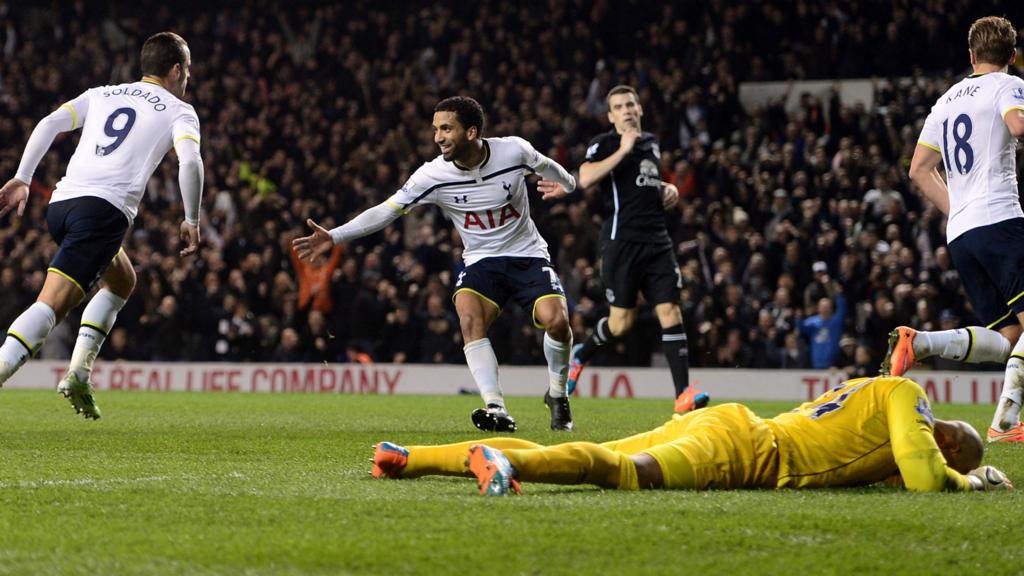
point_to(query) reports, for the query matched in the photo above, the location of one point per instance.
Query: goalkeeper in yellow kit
(864, 431)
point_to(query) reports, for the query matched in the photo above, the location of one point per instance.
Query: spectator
(290, 348)
(824, 330)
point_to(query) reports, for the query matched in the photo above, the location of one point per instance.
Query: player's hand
(13, 194)
(319, 242)
(989, 478)
(551, 190)
(190, 236)
(669, 196)
(628, 139)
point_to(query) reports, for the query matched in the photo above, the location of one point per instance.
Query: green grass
(175, 483)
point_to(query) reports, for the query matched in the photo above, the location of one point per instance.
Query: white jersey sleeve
(186, 142)
(185, 126)
(1010, 96)
(68, 117)
(79, 109)
(546, 167)
(415, 191)
(418, 189)
(931, 134)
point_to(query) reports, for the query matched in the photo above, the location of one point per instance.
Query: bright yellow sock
(450, 459)
(574, 463)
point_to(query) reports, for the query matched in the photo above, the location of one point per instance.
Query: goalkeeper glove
(988, 478)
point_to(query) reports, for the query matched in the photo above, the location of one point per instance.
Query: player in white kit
(972, 132)
(480, 184)
(126, 131)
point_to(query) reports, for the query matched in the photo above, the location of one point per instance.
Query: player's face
(624, 111)
(451, 136)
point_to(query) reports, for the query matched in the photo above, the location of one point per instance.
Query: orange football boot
(493, 471)
(1013, 435)
(691, 399)
(388, 460)
(899, 358)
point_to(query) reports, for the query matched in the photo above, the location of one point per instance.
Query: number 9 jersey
(126, 131)
(966, 127)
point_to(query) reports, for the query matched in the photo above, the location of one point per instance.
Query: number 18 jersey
(126, 131)
(966, 127)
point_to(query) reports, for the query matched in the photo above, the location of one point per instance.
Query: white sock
(97, 320)
(1008, 410)
(483, 364)
(973, 344)
(26, 334)
(557, 354)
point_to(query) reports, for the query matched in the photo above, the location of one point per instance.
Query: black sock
(673, 342)
(601, 336)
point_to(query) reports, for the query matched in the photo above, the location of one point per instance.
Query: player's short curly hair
(992, 39)
(467, 110)
(161, 52)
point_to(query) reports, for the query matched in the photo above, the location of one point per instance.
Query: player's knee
(620, 326)
(557, 326)
(128, 281)
(472, 326)
(121, 281)
(669, 314)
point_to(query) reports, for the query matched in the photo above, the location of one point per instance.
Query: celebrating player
(636, 251)
(126, 131)
(864, 431)
(480, 184)
(972, 132)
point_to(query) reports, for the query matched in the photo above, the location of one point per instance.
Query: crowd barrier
(722, 384)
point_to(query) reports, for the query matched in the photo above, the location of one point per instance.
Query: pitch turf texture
(178, 483)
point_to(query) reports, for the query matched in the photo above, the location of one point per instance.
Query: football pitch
(178, 483)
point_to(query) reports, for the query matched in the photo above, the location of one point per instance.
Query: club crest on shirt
(648, 174)
(925, 410)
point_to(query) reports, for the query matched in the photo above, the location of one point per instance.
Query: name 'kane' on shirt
(967, 129)
(489, 204)
(632, 192)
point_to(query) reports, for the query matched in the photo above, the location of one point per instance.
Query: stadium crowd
(800, 239)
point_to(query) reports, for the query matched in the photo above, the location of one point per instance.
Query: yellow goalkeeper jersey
(862, 432)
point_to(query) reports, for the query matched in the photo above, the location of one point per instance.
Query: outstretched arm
(322, 240)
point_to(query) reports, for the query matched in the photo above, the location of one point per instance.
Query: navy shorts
(90, 231)
(990, 261)
(502, 277)
(629, 267)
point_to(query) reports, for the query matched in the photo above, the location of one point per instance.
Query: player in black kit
(636, 251)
